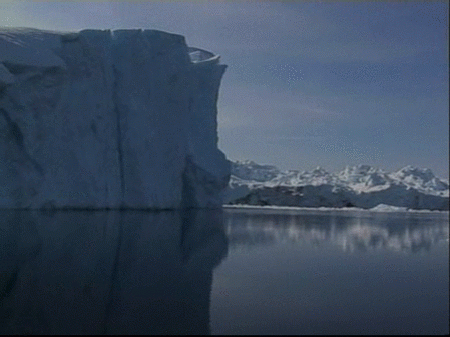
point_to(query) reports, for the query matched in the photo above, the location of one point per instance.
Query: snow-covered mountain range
(357, 186)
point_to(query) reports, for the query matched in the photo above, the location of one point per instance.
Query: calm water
(231, 272)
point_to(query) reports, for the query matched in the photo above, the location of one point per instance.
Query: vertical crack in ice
(16, 135)
(14, 129)
(187, 190)
(119, 134)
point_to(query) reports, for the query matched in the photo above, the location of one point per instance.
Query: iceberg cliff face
(101, 119)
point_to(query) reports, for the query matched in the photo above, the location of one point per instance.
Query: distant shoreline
(392, 209)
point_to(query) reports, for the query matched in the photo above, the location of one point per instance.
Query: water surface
(232, 272)
(108, 272)
(334, 272)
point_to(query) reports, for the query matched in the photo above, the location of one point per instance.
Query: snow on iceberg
(360, 186)
(101, 119)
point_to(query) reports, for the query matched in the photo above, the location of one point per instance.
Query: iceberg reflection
(75, 272)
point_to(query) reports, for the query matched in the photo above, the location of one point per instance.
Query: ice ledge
(30, 47)
(200, 56)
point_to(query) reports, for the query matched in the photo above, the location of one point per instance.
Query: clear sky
(309, 83)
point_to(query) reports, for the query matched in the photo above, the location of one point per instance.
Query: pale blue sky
(309, 83)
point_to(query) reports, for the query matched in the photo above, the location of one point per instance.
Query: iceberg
(102, 119)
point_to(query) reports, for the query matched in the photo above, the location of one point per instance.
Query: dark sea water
(338, 272)
(236, 271)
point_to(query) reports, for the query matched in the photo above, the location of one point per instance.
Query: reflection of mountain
(400, 232)
(108, 272)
